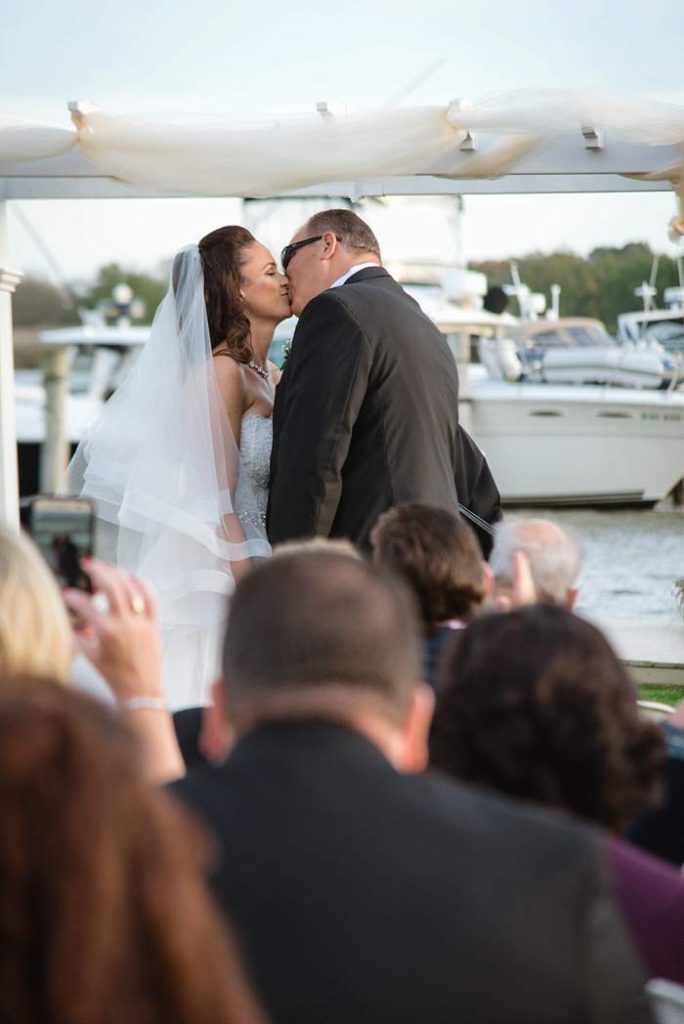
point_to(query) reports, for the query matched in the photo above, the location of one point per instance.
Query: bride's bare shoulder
(226, 365)
(230, 378)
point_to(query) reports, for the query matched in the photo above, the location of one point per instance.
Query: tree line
(599, 285)
(38, 303)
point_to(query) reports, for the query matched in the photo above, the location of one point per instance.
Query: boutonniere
(287, 348)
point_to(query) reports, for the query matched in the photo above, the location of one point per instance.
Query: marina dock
(653, 653)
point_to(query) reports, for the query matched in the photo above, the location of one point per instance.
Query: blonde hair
(35, 635)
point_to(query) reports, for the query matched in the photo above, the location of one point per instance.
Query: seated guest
(661, 831)
(438, 555)
(362, 888)
(104, 915)
(35, 635)
(535, 704)
(553, 555)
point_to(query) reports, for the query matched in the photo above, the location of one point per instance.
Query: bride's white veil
(174, 503)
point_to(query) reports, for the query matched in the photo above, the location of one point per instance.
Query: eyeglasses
(289, 250)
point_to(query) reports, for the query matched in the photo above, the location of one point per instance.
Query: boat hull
(551, 445)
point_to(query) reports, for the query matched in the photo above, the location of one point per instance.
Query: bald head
(554, 558)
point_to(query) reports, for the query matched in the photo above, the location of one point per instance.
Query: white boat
(579, 350)
(560, 444)
(98, 358)
(553, 444)
(665, 327)
(650, 325)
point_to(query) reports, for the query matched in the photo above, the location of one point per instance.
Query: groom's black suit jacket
(363, 896)
(366, 417)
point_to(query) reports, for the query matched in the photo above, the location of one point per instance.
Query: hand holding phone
(64, 530)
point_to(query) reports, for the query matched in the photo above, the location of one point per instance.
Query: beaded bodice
(256, 440)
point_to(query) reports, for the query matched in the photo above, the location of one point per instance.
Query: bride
(178, 461)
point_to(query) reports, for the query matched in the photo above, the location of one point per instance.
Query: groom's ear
(330, 244)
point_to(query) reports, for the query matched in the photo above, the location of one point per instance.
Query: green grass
(662, 694)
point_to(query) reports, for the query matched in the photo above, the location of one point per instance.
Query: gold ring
(137, 604)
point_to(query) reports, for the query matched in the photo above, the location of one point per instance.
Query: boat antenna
(647, 292)
(654, 276)
(521, 293)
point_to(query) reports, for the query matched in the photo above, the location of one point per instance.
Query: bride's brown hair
(221, 253)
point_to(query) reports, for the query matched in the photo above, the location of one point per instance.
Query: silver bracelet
(143, 704)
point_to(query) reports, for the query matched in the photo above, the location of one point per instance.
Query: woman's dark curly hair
(221, 253)
(104, 914)
(437, 554)
(536, 704)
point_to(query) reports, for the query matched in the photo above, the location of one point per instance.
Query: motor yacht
(552, 442)
(664, 327)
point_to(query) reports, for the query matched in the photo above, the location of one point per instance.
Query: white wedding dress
(180, 501)
(192, 657)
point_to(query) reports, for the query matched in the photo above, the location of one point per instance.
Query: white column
(55, 450)
(9, 476)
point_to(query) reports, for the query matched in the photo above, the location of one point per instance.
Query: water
(631, 559)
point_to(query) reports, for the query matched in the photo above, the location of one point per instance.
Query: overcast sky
(256, 57)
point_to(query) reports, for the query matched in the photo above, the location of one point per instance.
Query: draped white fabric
(550, 112)
(209, 156)
(21, 142)
(213, 158)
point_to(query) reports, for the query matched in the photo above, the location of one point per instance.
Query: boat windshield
(572, 335)
(669, 333)
(589, 336)
(547, 339)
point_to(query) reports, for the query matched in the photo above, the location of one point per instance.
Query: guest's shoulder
(490, 818)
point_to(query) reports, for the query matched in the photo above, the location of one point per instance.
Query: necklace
(263, 372)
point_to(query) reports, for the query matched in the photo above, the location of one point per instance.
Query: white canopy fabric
(630, 142)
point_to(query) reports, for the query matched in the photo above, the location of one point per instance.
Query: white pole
(55, 453)
(9, 476)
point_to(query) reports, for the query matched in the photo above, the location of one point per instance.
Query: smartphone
(64, 530)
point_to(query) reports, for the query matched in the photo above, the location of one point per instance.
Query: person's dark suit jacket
(366, 417)
(363, 895)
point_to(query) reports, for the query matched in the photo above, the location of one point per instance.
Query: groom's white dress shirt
(352, 270)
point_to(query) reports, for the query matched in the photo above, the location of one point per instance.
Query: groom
(366, 413)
